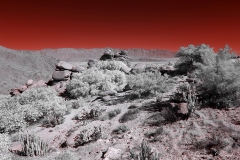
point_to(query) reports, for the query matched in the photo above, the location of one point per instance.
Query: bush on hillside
(220, 84)
(189, 56)
(93, 81)
(219, 75)
(5, 143)
(148, 83)
(110, 65)
(19, 111)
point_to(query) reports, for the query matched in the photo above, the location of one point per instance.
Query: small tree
(220, 85)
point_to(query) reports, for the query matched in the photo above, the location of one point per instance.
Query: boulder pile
(119, 56)
(60, 77)
(30, 84)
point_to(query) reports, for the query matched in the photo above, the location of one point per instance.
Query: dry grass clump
(145, 153)
(129, 115)
(66, 156)
(120, 129)
(167, 115)
(111, 114)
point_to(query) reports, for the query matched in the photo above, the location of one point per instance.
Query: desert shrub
(212, 144)
(190, 55)
(92, 81)
(33, 145)
(226, 53)
(145, 153)
(52, 119)
(12, 117)
(94, 113)
(87, 136)
(110, 114)
(129, 115)
(155, 120)
(77, 103)
(148, 83)
(114, 113)
(5, 143)
(120, 129)
(66, 156)
(220, 84)
(4, 98)
(169, 115)
(110, 65)
(166, 116)
(19, 111)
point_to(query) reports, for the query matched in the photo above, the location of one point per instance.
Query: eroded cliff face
(18, 66)
(83, 55)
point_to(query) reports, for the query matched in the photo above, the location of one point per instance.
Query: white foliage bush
(110, 65)
(93, 81)
(18, 111)
(5, 143)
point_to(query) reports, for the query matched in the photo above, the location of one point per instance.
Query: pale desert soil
(207, 134)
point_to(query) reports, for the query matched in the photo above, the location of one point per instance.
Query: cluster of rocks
(30, 84)
(144, 67)
(119, 56)
(60, 77)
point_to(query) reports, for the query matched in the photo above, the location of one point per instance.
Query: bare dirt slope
(18, 66)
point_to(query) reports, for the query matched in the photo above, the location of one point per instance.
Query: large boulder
(61, 75)
(113, 153)
(181, 109)
(125, 69)
(64, 65)
(16, 148)
(151, 68)
(138, 68)
(40, 83)
(23, 88)
(15, 92)
(29, 82)
(109, 54)
(78, 68)
(91, 62)
(123, 52)
(106, 57)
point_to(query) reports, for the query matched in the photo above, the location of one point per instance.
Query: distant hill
(18, 66)
(73, 55)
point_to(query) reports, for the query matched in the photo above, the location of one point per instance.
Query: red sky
(169, 24)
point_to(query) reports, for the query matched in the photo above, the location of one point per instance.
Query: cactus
(33, 145)
(191, 99)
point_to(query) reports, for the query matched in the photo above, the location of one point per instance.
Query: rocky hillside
(18, 66)
(83, 55)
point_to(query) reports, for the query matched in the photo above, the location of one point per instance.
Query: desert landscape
(120, 104)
